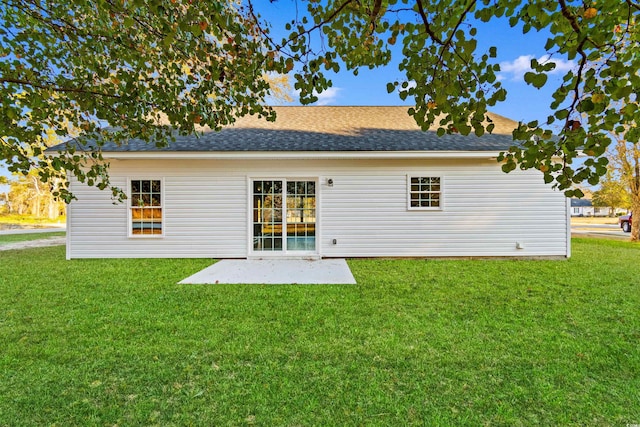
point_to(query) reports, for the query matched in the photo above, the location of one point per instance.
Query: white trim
(68, 235)
(321, 183)
(421, 208)
(248, 237)
(130, 235)
(281, 155)
(568, 243)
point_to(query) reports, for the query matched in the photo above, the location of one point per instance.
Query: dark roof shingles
(331, 129)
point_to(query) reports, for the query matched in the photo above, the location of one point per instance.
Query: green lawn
(13, 238)
(117, 342)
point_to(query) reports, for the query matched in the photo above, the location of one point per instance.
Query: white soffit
(292, 155)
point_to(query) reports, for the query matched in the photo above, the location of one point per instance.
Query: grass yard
(416, 342)
(14, 238)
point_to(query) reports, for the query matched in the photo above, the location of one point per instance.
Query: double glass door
(284, 215)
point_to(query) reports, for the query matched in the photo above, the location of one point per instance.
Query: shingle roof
(331, 129)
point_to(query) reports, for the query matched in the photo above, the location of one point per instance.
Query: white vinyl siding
(206, 210)
(486, 214)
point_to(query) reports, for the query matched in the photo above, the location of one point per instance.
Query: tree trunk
(35, 208)
(52, 214)
(53, 207)
(635, 223)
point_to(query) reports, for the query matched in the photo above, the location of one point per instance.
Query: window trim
(425, 208)
(130, 233)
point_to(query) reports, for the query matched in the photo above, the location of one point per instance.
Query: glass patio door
(284, 216)
(301, 216)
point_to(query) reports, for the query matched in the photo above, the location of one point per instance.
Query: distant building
(584, 207)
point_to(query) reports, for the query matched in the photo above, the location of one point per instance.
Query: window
(301, 215)
(425, 192)
(146, 207)
(267, 215)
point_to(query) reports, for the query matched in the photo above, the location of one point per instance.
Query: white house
(584, 207)
(320, 182)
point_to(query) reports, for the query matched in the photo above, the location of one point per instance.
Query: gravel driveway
(51, 241)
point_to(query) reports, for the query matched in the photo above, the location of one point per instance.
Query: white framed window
(424, 192)
(146, 217)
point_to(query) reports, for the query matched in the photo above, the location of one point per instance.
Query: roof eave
(293, 155)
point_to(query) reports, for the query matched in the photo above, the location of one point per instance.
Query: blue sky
(515, 51)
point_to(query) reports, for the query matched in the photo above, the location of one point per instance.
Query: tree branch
(462, 15)
(425, 21)
(569, 16)
(58, 88)
(374, 14)
(580, 50)
(447, 43)
(633, 5)
(308, 31)
(149, 28)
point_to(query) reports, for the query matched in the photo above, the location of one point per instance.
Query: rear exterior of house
(389, 201)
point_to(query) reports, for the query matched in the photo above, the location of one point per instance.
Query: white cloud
(517, 67)
(562, 66)
(410, 85)
(515, 70)
(327, 96)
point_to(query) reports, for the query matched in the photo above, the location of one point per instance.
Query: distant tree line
(28, 195)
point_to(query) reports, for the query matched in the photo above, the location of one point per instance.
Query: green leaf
(561, 114)
(195, 30)
(537, 80)
(585, 105)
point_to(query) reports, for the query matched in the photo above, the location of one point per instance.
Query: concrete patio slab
(285, 271)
